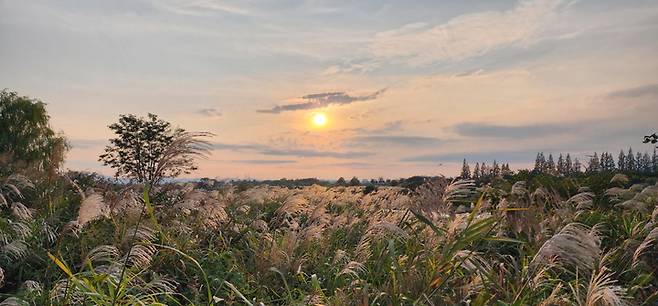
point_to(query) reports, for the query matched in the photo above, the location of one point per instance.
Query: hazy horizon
(406, 88)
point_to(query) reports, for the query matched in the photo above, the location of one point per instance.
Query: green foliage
(149, 149)
(27, 140)
(531, 238)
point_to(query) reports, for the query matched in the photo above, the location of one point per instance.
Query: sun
(319, 119)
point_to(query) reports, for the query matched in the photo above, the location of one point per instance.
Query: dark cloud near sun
(264, 161)
(396, 140)
(319, 100)
(209, 112)
(272, 151)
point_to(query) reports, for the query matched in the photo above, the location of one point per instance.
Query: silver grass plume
(91, 208)
(576, 245)
(619, 179)
(602, 290)
(582, 201)
(14, 301)
(649, 241)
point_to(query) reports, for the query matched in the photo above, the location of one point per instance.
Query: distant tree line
(626, 162)
(483, 171)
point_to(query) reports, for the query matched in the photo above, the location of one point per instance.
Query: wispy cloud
(202, 8)
(649, 90)
(209, 112)
(315, 153)
(501, 156)
(359, 165)
(486, 130)
(319, 100)
(264, 161)
(465, 36)
(272, 151)
(397, 140)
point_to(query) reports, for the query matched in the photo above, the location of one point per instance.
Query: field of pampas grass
(512, 241)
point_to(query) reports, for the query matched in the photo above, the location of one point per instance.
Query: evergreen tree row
(482, 171)
(626, 161)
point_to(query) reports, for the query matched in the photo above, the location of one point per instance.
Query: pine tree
(466, 171)
(476, 172)
(621, 161)
(495, 171)
(550, 165)
(504, 169)
(654, 162)
(647, 166)
(576, 167)
(539, 165)
(560, 165)
(607, 162)
(568, 166)
(610, 162)
(630, 161)
(638, 162)
(594, 164)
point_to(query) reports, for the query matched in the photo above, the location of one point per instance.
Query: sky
(407, 87)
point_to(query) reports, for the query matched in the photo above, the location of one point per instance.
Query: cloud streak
(209, 112)
(649, 90)
(320, 100)
(264, 161)
(395, 140)
(501, 156)
(485, 130)
(271, 151)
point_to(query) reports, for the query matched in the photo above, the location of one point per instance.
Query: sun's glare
(319, 119)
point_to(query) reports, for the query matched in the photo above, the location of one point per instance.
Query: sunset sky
(406, 87)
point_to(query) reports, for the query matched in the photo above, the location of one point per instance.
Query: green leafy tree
(27, 140)
(355, 181)
(149, 149)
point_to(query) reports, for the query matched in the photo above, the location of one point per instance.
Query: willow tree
(149, 149)
(27, 140)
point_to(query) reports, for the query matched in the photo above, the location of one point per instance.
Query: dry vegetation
(523, 240)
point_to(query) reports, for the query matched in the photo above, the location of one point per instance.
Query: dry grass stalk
(602, 290)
